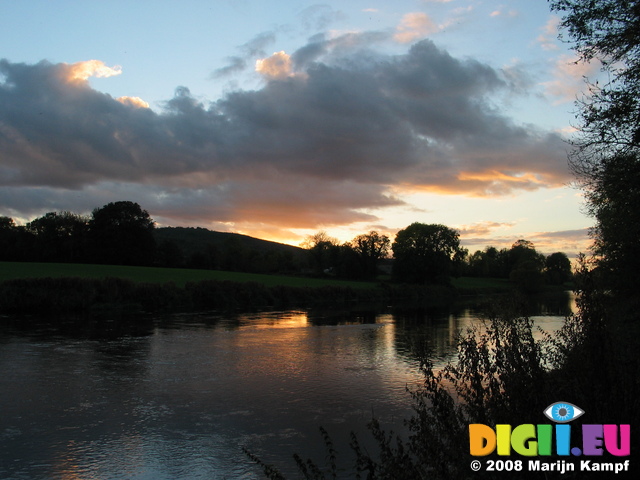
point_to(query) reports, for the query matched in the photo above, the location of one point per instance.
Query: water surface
(178, 396)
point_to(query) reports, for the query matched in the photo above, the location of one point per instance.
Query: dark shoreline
(97, 297)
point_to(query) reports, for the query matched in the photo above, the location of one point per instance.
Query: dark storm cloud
(326, 139)
(234, 65)
(342, 46)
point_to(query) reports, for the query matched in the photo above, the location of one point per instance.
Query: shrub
(502, 374)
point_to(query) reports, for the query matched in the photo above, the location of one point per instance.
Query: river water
(178, 396)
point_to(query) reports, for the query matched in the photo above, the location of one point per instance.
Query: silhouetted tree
(557, 268)
(6, 223)
(489, 262)
(525, 266)
(13, 240)
(323, 252)
(58, 237)
(425, 253)
(121, 233)
(606, 159)
(614, 200)
(371, 248)
(606, 31)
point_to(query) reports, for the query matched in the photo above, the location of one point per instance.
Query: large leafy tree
(121, 233)
(557, 268)
(426, 253)
(59, 237)
(371, 248)
(606, 159)
(525, 266)
(323, 251)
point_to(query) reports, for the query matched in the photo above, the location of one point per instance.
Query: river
(177, 396)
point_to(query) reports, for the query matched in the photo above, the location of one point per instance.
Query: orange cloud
(133, 102)
(493, 176)
(277, 66)
(482, 228)
(571, 242)
(81, 71)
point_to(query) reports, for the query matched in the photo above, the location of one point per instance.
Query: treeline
(122, 233)
(522, 264)
(431, 254)
(119, 233)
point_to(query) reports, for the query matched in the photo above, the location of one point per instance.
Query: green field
(179, 276)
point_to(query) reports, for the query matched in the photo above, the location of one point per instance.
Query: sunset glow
(81, 71)
(133, 102)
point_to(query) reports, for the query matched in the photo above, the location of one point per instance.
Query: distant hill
(195, 242)
(198, 238)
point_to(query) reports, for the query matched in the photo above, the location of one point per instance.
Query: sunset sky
(281, 118)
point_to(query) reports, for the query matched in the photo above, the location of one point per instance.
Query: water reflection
(176, 396)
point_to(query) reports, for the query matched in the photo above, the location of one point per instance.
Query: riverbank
(37, 288)
(113, 295)
(157, 275)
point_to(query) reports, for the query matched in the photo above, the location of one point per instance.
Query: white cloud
(548, 39)
(414, 26)
(500, 13)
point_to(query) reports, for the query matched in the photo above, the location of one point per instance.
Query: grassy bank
(181, 276)
(31, 288)
(178, 276)
(64, 288)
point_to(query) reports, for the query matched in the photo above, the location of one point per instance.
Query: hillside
(196, 243)
(193, 239)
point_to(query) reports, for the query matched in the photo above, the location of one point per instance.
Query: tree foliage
(371, 248)
(121, 233)
(557, 268)
(425, 253)
(614, 201)
(606, 31)
(59, 236)
(607, 158)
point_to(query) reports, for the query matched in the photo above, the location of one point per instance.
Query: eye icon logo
(563, 412)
